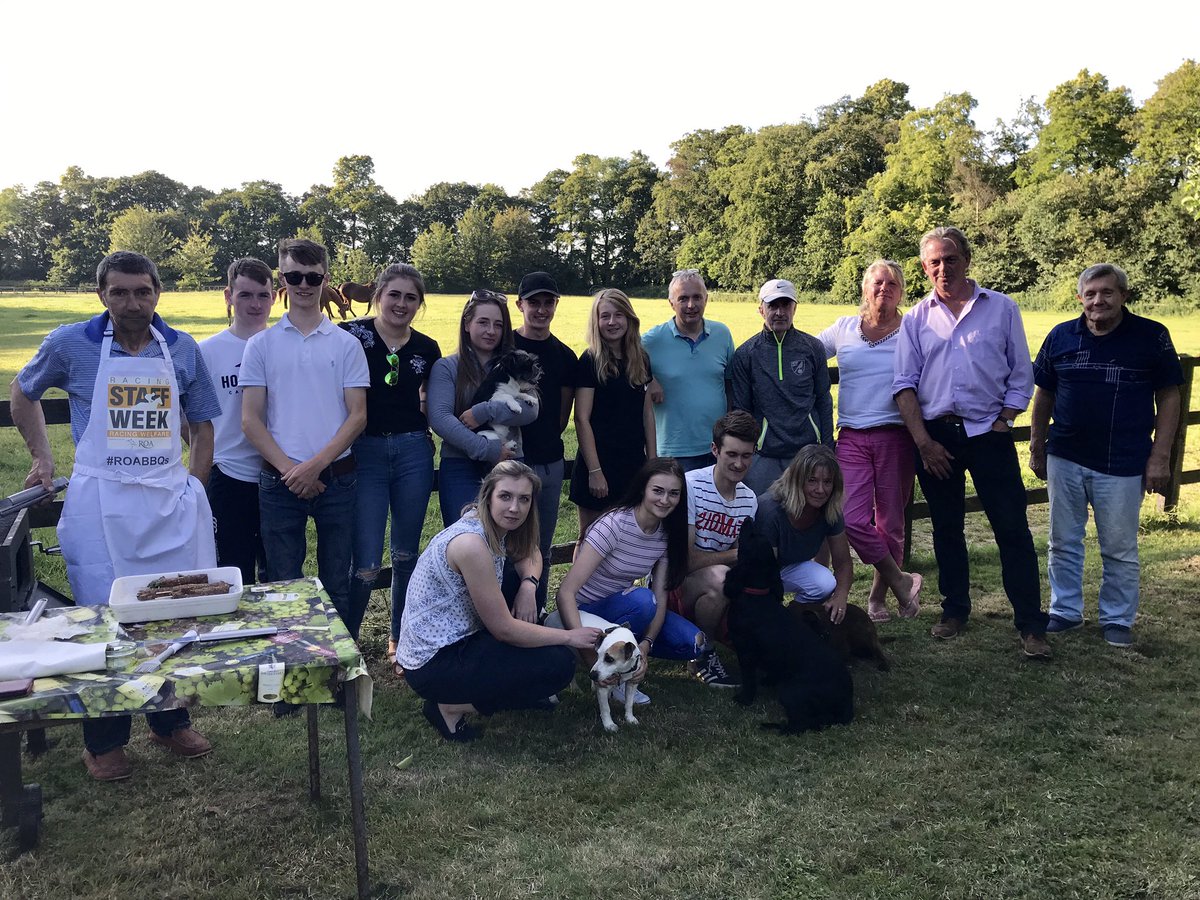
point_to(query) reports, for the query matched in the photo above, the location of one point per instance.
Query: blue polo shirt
(693, 376)
(69, 358)
(1104, 391)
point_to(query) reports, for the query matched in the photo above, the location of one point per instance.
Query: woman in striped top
(647, 532)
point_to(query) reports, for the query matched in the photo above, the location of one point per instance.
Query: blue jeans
(284, 522)
(395, 472)
(107, 733)
(678, 639)
(1116, 502)
(548, 502)
(458, 485)
(810, 581)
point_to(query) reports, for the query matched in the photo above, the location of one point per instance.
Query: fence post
(1169, 500)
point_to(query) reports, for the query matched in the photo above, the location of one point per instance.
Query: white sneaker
(617, 695)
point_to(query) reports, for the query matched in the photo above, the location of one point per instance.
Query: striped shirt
(626, 554)
(716, 520)
(69, 358)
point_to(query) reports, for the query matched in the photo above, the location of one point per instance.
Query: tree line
(1082, 176)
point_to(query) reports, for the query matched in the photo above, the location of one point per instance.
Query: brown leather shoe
(110, 766)
(1034, 646)
(184, 742)
(948, 628)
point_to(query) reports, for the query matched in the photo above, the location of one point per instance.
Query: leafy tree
(352, 264)
(250, 220)
(1085, 129)
(142, 231)
(435, 253)
(688, 205)
(935, 157)
(194, 258)
(1166, 126)
(475, 244)
(517, 249)
(445, 202)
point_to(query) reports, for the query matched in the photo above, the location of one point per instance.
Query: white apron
(132, 508)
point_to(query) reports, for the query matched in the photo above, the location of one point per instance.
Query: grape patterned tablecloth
(312, 643)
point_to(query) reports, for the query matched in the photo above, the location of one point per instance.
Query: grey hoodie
(788, 387)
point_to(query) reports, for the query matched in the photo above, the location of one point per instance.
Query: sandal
(913, 605)
(877, 611)
(462, 731)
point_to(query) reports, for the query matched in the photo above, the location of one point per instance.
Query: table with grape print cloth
(320, 661)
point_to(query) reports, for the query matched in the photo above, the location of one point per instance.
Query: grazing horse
(330, 298)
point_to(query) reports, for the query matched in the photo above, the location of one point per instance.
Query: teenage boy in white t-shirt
(233, 483)
(718, 503)
(304, 401)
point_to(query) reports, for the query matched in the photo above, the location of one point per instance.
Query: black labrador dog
(811, 681)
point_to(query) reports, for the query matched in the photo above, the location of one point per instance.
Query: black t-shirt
(394, 409)
(542, 439)
(616, 406)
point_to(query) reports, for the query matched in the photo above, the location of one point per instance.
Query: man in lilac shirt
(963, 374)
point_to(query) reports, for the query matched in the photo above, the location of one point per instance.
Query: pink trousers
(877, 467)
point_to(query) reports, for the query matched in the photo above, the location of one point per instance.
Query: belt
(875, 428)
(343, 466)
(951, 420)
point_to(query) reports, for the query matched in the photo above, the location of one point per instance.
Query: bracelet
(593, 471)
(532, 578)
(650, 641)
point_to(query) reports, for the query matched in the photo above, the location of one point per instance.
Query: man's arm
(564, 408)
(30, 420)
(934, 456)
(1039, 427)
(200, 454)
(1166, 421)
(824, 397)
(254, 425)
(701, 559)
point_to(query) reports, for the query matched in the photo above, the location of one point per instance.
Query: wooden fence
(57, 413)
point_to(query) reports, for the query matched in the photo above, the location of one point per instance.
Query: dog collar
(756, 592)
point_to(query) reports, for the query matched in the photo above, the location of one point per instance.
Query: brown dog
(855, 638)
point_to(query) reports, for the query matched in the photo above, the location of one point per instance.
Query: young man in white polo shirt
(718, 503)
(233, 481)
(304, 401)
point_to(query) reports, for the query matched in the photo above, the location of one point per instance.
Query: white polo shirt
(231, 451)
(305, 376)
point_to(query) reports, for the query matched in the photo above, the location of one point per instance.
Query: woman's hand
(837, 608)
(525, 603)
(468, 418)
(597, 484)
(585, 640)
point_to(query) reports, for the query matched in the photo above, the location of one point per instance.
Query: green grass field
(967, 772)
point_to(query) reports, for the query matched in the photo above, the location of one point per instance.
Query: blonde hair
(788, 488)
(637, 366)
(891, 266)
(522, 541)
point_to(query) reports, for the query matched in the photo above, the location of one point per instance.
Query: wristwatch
(1011, 423)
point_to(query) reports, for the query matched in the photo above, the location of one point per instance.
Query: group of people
(681, 437)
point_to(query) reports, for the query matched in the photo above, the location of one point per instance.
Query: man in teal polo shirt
(690, 356)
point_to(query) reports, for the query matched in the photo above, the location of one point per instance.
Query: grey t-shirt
(792, 546)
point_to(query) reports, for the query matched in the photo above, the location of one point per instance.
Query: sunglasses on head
(392, 378)
(294, 278)
(483, 296)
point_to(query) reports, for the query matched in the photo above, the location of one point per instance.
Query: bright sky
(227, 91)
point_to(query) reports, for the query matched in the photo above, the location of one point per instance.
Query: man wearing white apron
(131, 507)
